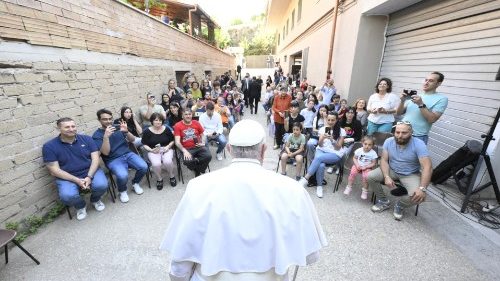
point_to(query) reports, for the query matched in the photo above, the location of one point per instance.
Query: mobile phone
(327, 130)
(409, 92)
(117, 127)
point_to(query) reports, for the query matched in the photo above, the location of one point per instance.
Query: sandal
(159, 184)
(173, 182)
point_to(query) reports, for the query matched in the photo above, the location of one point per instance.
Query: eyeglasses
(151, 97)
(403, 123)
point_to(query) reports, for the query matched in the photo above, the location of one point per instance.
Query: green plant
(12, 225)
(152, 4)
(33, 223)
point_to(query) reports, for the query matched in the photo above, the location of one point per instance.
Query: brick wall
(71, 58)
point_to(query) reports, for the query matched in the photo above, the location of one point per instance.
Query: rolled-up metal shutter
(461, 39)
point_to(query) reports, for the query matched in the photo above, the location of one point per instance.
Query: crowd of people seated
(312, 124)
(330, 127)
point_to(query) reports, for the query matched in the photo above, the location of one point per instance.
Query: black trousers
(254, 104)
(279, 132)
(201, 158)
(246, 97)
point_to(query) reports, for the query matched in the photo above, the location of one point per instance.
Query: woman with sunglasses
(330, 150)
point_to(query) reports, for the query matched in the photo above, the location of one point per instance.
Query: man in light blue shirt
(405, 158)
(424, 109)
(327, 92)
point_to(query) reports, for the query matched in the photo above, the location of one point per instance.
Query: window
(299, 10)
(287, 23)
(278, 39)
(283, 33)
(284, 58)
(293, 18)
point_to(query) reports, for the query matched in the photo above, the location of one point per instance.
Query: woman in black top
(158, 141)
(352, 127)
(165, 102)
(174, 114)
(127, 115)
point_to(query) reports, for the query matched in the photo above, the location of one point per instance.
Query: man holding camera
(151, 107)
(74, 160)
(189, 140)
(424, 109)
(212, 123)
(113, 144)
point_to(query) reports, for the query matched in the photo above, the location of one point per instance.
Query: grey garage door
(461, 39)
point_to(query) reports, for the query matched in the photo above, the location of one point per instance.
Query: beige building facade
(405, 41)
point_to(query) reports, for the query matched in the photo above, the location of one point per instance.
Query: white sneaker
(319, 191)
(138, 189)
(219, 156)
(303, 182)
(329, 170)
(337, 171)
(99, 206)
(124, 197)
(81, 214)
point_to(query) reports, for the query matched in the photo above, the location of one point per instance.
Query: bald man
(404, 158)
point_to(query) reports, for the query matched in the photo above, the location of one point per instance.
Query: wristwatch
(422, 106)
(423, 189)
(90, 177)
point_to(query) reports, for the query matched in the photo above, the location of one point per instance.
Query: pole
(332, 41)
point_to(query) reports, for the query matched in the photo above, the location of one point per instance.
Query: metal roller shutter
(461, 39)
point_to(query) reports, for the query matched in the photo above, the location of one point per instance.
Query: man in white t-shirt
(212, 123)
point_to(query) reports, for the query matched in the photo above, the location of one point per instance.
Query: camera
(327, 130)
(409, 92)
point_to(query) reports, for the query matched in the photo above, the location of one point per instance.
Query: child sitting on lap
(365, 159)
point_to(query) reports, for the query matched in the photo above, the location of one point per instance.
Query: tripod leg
(471, 183)
(492, 177)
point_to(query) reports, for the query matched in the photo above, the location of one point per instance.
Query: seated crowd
(311, 126)
(315, 125)
(185, 121)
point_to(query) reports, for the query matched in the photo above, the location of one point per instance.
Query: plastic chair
(6, 236)
(379, 139)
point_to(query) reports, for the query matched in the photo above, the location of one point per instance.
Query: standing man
(241, 219)
(281, 107)
(212, 123)
(74, 160)
(245, 88)
(424, 109)
(404, 158)
(327, 91)
(255, 94)
(189, 140)
(113, 144)
(174, 92)
(238, 71)
(151, 107)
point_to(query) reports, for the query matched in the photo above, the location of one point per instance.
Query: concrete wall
(100, 58)
(258, 61)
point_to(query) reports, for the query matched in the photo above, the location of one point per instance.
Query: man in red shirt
(281, 106)
(189, 140)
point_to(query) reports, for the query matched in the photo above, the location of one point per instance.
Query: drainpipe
(191, 19)
(332, 41)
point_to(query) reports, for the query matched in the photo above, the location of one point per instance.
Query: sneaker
(347, 190)
(99, 206)
(297, 178)
(173, 182)
(329, 170)
(337, 171)
(319, 191)
(303, 182)
(81, 213)
(219, 156)
(124, 197)
(364, 194)
(138, 189)
(159, 184)
(276, 147)
(381, 205)
(398, 211)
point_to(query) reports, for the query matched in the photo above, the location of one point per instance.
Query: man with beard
(405, 158)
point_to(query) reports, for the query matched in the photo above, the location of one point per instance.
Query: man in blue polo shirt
(404, 158)
(113, 144)
(74, 160)
(424, 109)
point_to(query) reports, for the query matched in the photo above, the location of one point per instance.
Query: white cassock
(242, 222)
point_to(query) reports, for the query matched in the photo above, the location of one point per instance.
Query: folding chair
(178, 159)
(6, 236)
(346, 163)
(140, 152)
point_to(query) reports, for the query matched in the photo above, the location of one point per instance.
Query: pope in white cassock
(242, 222)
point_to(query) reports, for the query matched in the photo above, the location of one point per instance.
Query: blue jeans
(69, 192)
(119, 167)
(319, 162)
(424, 138)
(221, 142)
(374, 127)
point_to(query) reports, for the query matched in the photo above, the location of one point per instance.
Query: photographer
(424, 109)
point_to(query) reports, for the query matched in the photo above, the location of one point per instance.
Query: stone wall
(41, 82)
